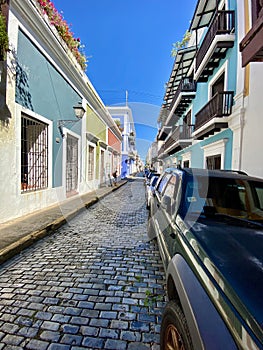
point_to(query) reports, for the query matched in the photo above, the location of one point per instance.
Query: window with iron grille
(34, 154)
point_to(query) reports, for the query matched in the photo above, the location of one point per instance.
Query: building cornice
(45, 36)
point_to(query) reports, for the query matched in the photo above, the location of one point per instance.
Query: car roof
(233, 174)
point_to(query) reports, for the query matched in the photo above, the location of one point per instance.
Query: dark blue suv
(209, 229)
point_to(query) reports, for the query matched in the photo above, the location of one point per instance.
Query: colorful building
(210, 116)
(46, 123)
(123, 117)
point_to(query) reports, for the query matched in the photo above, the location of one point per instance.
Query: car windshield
(238, 198)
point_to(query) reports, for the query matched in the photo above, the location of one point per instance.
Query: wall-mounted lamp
(79, 113)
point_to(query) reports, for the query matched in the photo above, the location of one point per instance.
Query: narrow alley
(96, 283)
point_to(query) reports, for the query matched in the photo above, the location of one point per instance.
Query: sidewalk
(20, 233)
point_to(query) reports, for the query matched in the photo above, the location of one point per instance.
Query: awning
(182, 64)
(204, 12)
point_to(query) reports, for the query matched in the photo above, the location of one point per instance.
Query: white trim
(49, 122)
(213, 149)
(210, 122)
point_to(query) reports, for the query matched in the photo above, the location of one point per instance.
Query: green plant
(64, 31)
(181, 44)
(3, 38)
(151, 298)
(118, 123)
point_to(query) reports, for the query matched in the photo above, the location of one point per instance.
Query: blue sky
(128, 44)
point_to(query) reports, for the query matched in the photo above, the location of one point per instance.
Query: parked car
(149, 189)
(209, 229)
(149, 176)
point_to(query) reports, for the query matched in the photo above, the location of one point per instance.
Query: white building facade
(123, 116)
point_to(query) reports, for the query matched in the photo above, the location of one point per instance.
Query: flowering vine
(3, 38)
(64, 31)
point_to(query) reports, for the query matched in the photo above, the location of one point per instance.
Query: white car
(149, 189)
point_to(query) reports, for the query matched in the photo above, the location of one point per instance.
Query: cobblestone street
(97, 283)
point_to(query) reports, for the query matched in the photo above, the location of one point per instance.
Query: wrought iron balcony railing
(223, 23)
(181, 132)
(186, 85)
(220, 105)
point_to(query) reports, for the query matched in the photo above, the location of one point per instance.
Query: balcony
(163, 132)
(161, 153)
(184, 95)
(251, 46)
(180, 138)
(212, 117)
(218, 39)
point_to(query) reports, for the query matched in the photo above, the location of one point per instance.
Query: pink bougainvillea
(64, 31)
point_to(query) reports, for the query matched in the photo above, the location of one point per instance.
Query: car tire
(175, 334)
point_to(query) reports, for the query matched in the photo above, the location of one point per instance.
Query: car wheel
(174, 330)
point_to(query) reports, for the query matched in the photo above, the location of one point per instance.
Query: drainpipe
(5, 113)
(242, 123)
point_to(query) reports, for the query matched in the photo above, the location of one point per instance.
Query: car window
(154, 180)
(257, 190)
(163, 182)
(171, 190)
(217, 195)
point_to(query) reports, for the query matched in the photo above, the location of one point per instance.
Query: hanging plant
(64, 31)
(3, 38)
(181, 44)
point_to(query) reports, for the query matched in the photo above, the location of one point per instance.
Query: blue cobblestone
(84, 286)
(93, 343)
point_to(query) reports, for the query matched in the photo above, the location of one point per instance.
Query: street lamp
(79, 113)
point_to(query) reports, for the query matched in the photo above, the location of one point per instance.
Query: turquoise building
(199, 102)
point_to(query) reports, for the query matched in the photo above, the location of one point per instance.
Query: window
(257, 8)
(163, 182)
(186, 164)
(257, 192)
(34, 154)
(213, 162)
(219, 84)
(187, 127)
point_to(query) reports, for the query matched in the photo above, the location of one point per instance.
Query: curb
(28, 240)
